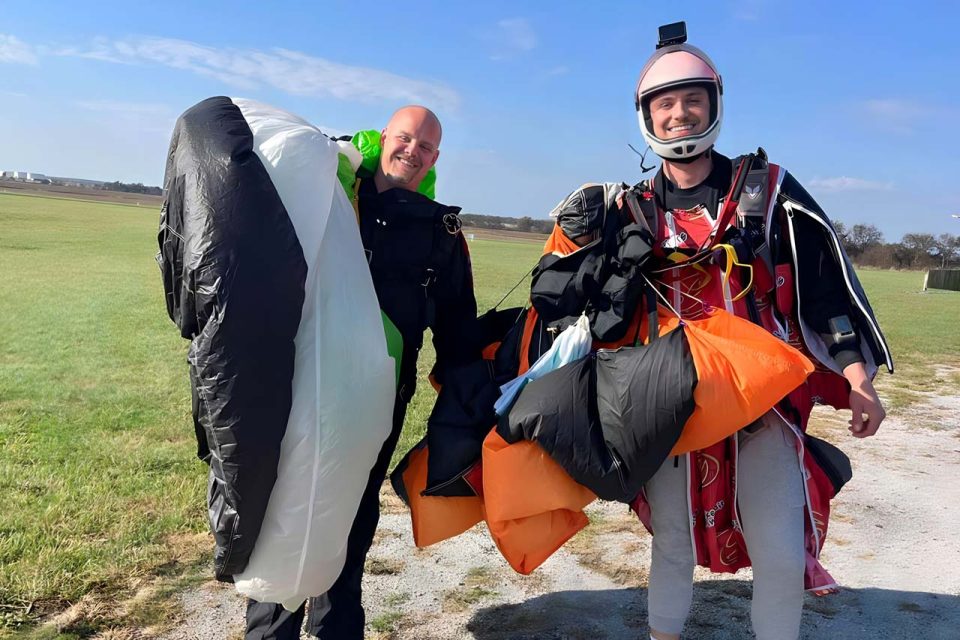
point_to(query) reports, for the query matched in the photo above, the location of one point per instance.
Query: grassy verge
(97, 473)
(921, 328)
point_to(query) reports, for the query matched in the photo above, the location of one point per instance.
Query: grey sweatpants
(771, 501)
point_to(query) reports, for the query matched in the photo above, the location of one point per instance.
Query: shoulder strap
(732, 200)
(642, 206)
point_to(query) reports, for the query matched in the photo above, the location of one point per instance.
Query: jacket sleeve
(822, 292)
(455, 334)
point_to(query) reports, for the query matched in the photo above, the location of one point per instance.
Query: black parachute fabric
(602, 279)
(834, 462)
(610, 419)
(562, 285)
(459, 422)
(233, 273)
(463, 414)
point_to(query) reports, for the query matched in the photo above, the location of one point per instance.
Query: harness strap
(732, 199)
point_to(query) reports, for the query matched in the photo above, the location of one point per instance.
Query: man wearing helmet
(792, 277)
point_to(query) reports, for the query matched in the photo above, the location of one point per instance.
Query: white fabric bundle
(343, 382)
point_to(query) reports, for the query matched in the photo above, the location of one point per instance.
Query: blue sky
(859, 99)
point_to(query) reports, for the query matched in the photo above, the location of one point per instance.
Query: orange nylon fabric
(525, 338)
(532, 505)
(436, 518)
(559, 243)
(742, 371)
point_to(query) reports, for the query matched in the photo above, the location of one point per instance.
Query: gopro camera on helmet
(673, 33)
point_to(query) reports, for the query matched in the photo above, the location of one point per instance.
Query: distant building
(26, 176)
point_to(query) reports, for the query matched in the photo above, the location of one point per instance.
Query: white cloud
(905, 116)
(560, 70)
(511, 36)
(289, 71)
(518, 33)
(845, 183)
(14, 50)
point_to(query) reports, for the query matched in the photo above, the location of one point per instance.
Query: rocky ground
(893, 545)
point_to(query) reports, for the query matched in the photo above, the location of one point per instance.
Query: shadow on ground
(721, 611)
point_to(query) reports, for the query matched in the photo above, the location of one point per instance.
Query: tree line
(127, 187)
(866, 246)
(506, 223)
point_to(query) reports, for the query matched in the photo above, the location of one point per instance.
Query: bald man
(411, 146)
(421, 272)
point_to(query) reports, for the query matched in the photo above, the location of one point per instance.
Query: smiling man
(421, 272)
(411, 146)
(790, 276)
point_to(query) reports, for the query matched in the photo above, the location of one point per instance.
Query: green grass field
(100, 490)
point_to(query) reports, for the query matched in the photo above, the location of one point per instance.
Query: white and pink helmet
(672, 67)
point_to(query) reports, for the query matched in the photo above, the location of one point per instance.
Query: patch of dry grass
(604, 545)
(383, 566)
(477, 585)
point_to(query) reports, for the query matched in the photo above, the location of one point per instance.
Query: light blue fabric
(571, 345)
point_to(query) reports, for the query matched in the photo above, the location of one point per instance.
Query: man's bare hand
(867, 409)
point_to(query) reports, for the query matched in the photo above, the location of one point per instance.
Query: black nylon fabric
(463, 414)
(583, 211)
(834, 462)
(610, 419)
(603, 280)
(875, 340)
(414, 261)
(644, 398)
(611, 311)
(559, 412)
(562, 285)
(460, 420)
(233, 277)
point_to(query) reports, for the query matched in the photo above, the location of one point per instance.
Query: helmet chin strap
(690, 159)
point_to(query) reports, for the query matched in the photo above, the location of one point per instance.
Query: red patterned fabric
(716, 532)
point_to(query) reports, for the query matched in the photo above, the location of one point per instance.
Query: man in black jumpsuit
(421, 272)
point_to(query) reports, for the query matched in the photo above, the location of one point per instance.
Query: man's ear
(436, 154)
(383, 137)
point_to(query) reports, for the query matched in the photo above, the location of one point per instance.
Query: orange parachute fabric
(532, 505)
(559, 243)
(436, 518)
(742, 371)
